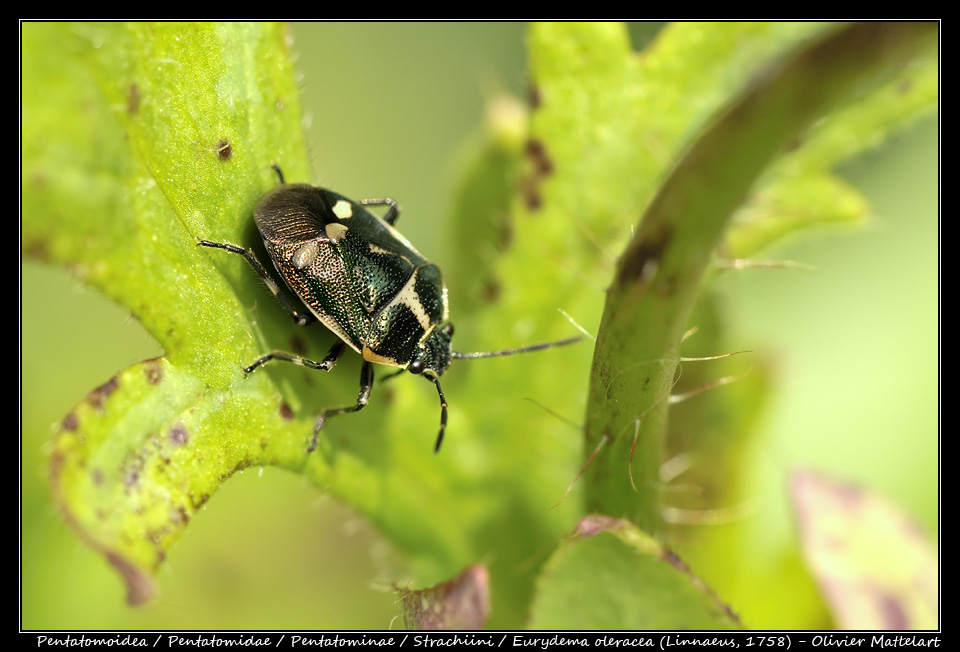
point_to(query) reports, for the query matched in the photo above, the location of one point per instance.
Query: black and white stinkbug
(363, 280)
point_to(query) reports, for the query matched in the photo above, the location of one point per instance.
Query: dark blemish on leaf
(178, 434)
(100, 394)
(672, 559)
(505, 236)
(849, 495)
(642, 258)
(179, 516)
(224, 150)
(595, 524)
(645, 383)
(793, 144)
(286, 412)
(70, 422)
(139, 585)
(97, 476)
(534, 98)
(532, 198)
(462, 603)
(153, 372)
(133, 99)
(37, 249)
(894, 616)
(904, 87)
(130, 479)
(298, 346)
(537, 153)
(197, 504)
(490, 290)
(387, 395)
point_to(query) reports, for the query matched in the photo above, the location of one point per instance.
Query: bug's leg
(392, 213)
(443, 416)
(300, 318)
(366, 384)
(393, 375)
(276, 168)
(328, 362)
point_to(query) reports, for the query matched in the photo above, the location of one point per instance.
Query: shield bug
(359, 277)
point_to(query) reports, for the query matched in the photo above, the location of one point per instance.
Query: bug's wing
(304, 238)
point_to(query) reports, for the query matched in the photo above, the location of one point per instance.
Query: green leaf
(140, 139)
(875, 567)
(612, 576)
(461, 603)
(144, 138)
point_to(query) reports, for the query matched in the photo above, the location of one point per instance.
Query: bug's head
(432, 356)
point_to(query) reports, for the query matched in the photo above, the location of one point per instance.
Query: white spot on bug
(272, 286)
(335, 231)
(304, 256)
(342, 209)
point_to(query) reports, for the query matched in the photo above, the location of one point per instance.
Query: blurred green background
(855, 345)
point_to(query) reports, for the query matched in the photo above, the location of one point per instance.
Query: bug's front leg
(300, 318)
(366, 385)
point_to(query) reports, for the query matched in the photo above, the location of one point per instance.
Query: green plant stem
(659, 274)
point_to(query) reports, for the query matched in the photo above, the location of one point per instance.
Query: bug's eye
(416, 367)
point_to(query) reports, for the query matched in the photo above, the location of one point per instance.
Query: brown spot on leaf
(286, 412)
(153, 372)
(178, 434)
(97, 476)
(530, 191)
(490, 290)
(70, 422)
(536, 152)
(180, 515)
(224, 150)
(133, 99)
(100, 394)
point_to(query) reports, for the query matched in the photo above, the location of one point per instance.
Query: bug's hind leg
(366, 385)
(329, 361)
(300, 318)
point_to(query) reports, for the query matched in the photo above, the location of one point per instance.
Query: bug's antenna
(522, 349)
(443, 416)
(276, 168)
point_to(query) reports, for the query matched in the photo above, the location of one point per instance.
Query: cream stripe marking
(408, 297)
